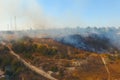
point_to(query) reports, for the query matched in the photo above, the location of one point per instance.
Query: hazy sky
(59, 13)
(84, 12)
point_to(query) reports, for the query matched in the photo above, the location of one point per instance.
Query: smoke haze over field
(28, 14)
(91, 39)
(58, 13)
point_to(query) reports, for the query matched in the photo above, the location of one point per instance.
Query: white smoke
(28, 14)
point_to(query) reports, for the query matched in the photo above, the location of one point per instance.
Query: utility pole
(15, 23)
(8, 27)
(11, 23)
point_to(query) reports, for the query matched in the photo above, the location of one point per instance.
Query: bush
(54, 68)
(26, 47)
(45, 50)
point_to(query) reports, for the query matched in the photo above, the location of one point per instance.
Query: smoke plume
(28, 13)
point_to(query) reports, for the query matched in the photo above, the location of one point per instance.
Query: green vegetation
(28, 48)
(54, 68)
(14, 69)
(2, 79)
(65, 62)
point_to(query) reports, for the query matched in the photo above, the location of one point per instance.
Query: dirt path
(30, 66)
(107, 69)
